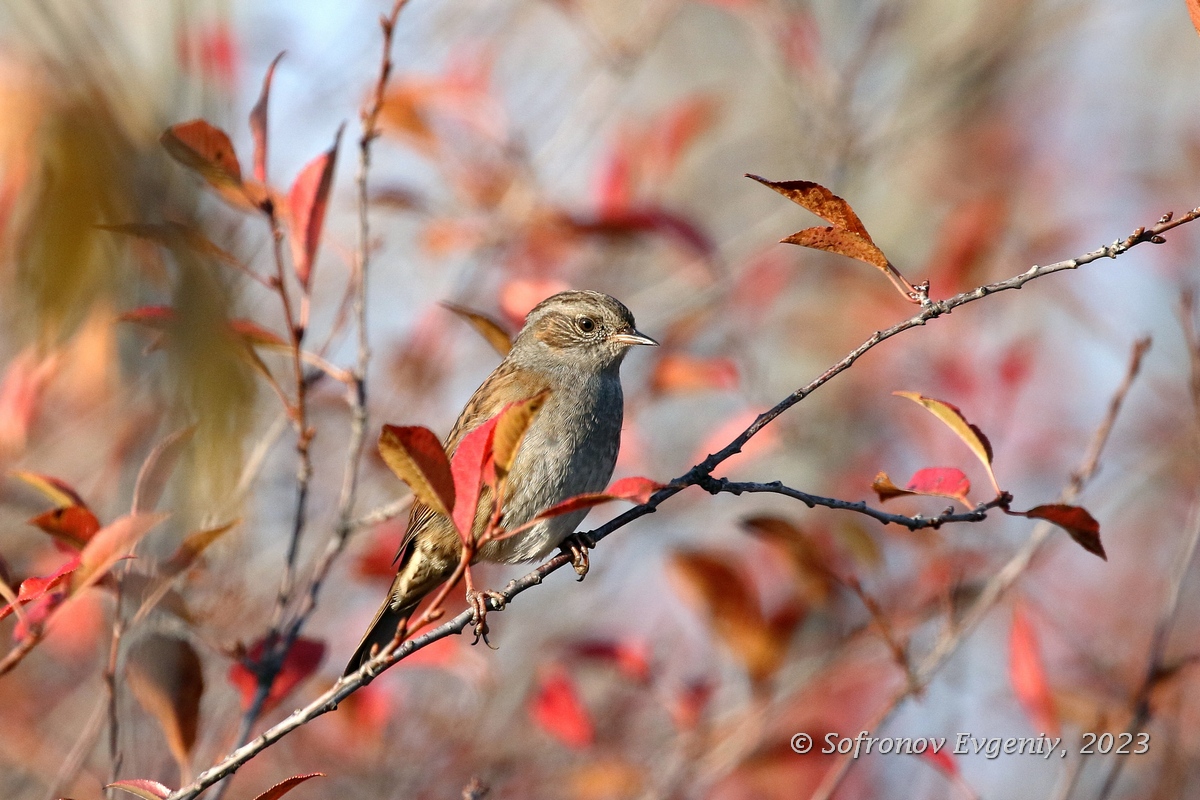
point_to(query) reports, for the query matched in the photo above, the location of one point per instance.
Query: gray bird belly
(570, 449)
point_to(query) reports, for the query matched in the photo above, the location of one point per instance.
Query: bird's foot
(478, 602)
(577, 544)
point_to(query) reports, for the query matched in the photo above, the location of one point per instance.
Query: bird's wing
(505, 385)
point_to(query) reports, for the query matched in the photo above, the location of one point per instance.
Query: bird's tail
(383, 629)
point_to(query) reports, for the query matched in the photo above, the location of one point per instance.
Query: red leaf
(258, 124)
(470, 460)
(631, 657)
(954, 419)
(635, 490)
(1076, 521)
(73, 525)
(145, 789)
(558, 710)
(942, 760)
(688, 705)
(302, 661)
(308, 200)
(21, 391)
(283, 787)
(646, 219)
(204, 149)
(416, 456)
(32, 589)
(941, 482)
(1028, 674)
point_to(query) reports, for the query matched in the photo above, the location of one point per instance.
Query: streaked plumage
(572, 344)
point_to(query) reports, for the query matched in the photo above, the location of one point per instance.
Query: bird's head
(586, 330)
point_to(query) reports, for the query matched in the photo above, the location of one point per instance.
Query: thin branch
(391, 655)
(950, 640)
(915, 523)
(1156, 667)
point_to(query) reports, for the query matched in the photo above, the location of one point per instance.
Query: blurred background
(534, 145)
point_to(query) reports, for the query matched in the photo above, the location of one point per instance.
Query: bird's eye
(586, 324)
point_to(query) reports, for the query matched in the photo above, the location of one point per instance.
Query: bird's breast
(570, 448)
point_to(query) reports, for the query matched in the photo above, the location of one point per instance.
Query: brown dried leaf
(192, 546)
(820, 201)
(512, 423)
(1075, 520)
(840, 241)
(813, 572)
(165, 676)
(733, 608)
(416, 456)
(488, 328)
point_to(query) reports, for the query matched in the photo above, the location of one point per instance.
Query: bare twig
(950, 640)
(395, 652)
(1156, 667)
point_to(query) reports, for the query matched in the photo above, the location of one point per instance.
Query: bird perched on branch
(572, 344)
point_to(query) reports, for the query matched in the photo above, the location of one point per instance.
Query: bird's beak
(632, 338)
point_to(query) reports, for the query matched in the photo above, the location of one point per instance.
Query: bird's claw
(478, 601)
(577, 546)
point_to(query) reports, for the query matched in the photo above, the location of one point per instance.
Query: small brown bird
(573, 344)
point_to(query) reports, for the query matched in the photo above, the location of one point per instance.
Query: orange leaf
(283, 787)
(1076, 521)
(1193, 7)
(511, 424)
(558, 710)
(258, 124)
(488, 328)
(732, 606)
(145, 789)
(308, 200)
(954, 419)
(840, 241)
(166, 678)
(679, 372)
(1028, 673)
(416, 456)
(72, 525)
(470, 462)
(204, 149)
(302, 660)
